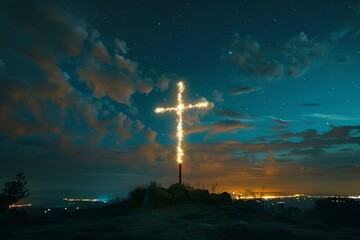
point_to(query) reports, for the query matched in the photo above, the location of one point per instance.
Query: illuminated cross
(179, 109)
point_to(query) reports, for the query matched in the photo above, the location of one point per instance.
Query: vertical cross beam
(179, 109)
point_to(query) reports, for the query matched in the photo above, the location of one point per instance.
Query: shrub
(221, 199)
(180, 193)
(13, 191)
(137, 195)
(157, 196)
(199, 196)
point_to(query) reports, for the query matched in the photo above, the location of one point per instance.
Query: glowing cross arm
(169, 109)
(203, 104)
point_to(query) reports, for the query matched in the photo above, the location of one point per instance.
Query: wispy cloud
(351, 26)
(343, 59)
(238, 90)
(309, 104)
(278, 128)
(336, 117)
(218, 96)
(261, 60)
(233, 114)
(280, 120)
(225, 126)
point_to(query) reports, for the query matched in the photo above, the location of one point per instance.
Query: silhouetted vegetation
(13, 192)
(155, 195)
(137, 195)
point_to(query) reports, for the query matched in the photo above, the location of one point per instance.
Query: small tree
(13, 191)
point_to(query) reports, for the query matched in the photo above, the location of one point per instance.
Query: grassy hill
(193, 216)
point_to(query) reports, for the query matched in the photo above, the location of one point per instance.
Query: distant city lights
(83, 200)
(20, 205)
(297, 196)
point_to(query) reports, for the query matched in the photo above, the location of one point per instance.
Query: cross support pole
(179, 173)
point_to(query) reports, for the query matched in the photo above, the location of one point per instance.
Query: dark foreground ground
(187, 221)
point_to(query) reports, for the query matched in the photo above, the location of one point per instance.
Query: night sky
(79, 83)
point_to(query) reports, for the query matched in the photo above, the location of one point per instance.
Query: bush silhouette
(13, 192)
(137, 195)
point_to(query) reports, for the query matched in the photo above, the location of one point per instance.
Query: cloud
(123, 126)
(229, 113)
(335, 135)
(57, 31)
(139, 125)
(149, 153)
(217, 96)
(228, 126)
(343, 59)
(193, 116)
(118, 79)
(238, 90)
(46, 98)
(233, 114)
(335, 117)
(226, 161)
(250, 57)
(278, 128)
(280, 121)
(293, 59)
(314, 157)
(150, 135)
(125, 64)
(309, 104)
(121, 46)
(310, 139)
(350, 26)
(94, 35)
(301, 53)
(100, 52)
(309, 151)
(341, 132)
(41, 84)
(162, 83)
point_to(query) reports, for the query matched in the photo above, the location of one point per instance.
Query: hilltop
(181, 213)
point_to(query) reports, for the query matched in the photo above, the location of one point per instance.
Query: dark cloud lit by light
(238, 90)
(268, 61)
